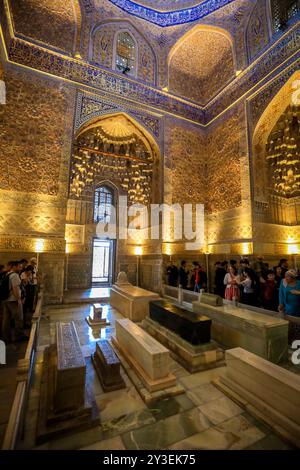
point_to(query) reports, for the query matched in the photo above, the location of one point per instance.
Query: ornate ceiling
(169, 5)
(170, 13)
(210, 70)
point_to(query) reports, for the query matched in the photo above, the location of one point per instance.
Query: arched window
(282, 12)
(125, 53)
(104, 199)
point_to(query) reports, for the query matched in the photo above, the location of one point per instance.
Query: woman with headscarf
(289, 301)
(289, 294)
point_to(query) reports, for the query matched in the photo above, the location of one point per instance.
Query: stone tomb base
(66, 402)
(149, 360)
(97, 317)
(52, 425)
(132, 302)
(265, 390)
(193, 358)
(107, 366)
(139, 380)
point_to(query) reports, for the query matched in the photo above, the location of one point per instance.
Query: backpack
(4, 287)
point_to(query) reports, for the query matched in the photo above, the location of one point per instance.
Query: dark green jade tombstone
(190, 326)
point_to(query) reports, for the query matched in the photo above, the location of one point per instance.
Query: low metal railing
(15, 425)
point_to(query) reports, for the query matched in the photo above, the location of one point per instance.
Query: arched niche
(114, 148)
(273, 205)
(102, 50)
(57, 24)
(201, 64)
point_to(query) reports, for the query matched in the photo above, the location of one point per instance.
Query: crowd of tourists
(255, 284)
(191, 277)
(276, 289)
(18, 296)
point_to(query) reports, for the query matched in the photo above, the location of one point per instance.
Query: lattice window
(102, 206)
(282, 12)
(125, 54)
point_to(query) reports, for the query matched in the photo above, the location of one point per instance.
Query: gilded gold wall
(31, 131)
(209, 166)
(49, 21)
(185, 163)
(35, 145)
(205, 167)
(224, 150)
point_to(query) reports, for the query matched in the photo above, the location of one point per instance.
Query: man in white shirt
(12, 306)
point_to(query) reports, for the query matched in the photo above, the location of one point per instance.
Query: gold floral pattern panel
(224, 152)
(185, 163)
(32, 125)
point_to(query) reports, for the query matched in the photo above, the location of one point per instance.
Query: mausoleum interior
(149, 225)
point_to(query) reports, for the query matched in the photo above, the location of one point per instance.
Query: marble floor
(201, 418)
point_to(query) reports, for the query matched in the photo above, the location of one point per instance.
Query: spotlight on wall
(39, 245)
(247, 249)
(138, 251)
(293, 249)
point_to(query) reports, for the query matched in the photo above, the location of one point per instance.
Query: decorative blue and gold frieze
(280, 55)
(171, 18)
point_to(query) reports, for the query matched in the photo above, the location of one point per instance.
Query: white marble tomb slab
(131, 301)
(266, 389)
(153, 358)
(256, 332)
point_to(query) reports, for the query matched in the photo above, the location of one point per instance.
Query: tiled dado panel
(79, 271)
(128, 264)
(150, 273)
(52, 267)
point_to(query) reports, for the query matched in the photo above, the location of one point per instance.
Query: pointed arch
(287, 97)
(32, 19)
(147, 136)
(197, 73)
(99, 155)
(102, 47)
(276, 107)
